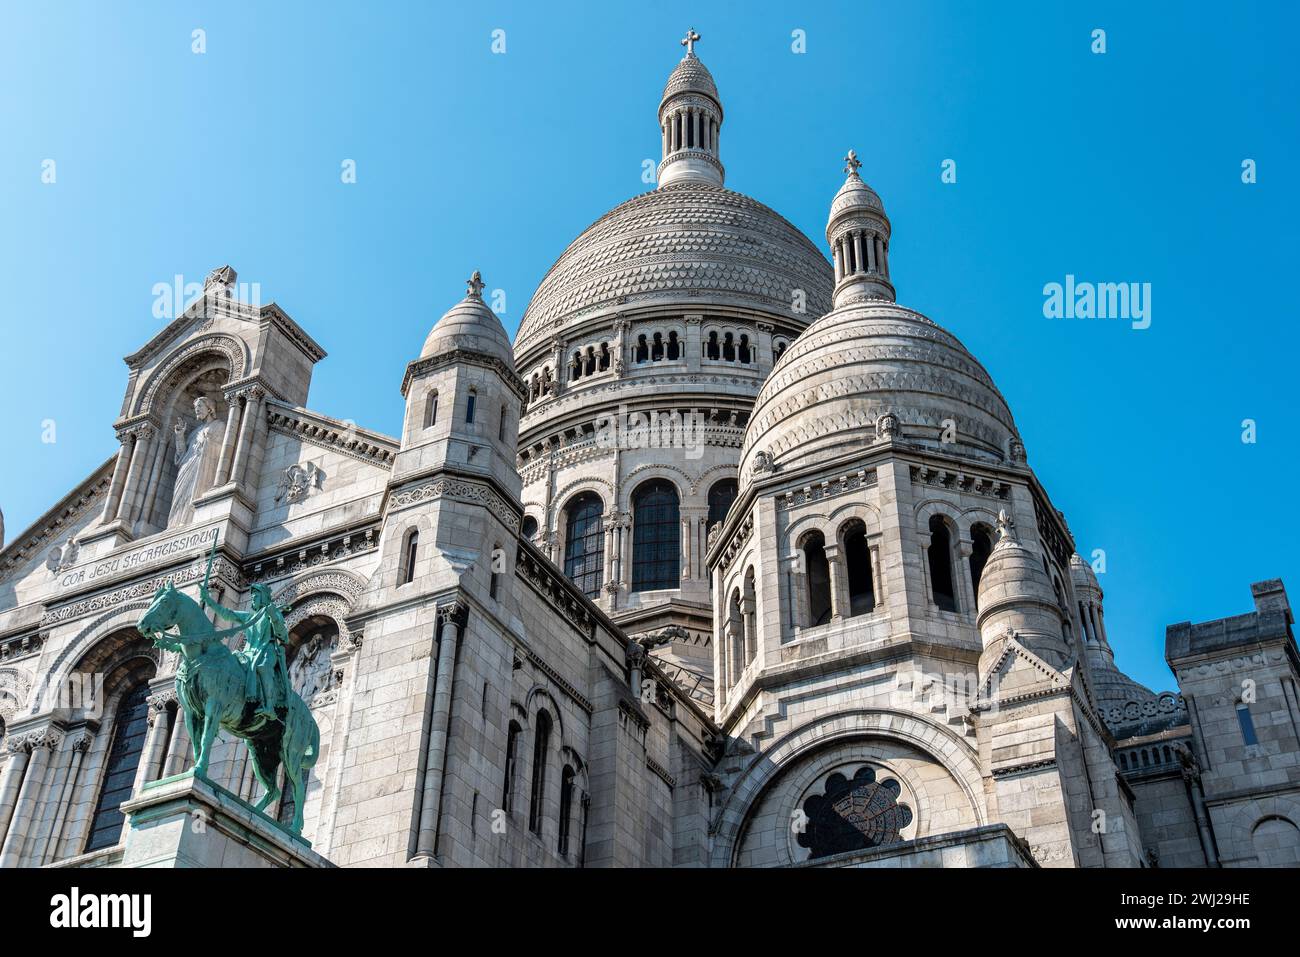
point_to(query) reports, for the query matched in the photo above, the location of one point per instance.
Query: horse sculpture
(211, 682)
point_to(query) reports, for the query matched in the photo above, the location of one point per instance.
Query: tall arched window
(736, 631)
(940, 555)
(501, 423)
(721, 495)
(410, 548)
(981, 537)
(512, 754)
(818, 573)
(656, 537)
(529, 528)
(584, 556)
(129, 730)
(431, 408)
(857, 559)
(470, 403)
(541, 748)
(566, 808)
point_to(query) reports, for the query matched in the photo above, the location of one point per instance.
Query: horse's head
(162, 611)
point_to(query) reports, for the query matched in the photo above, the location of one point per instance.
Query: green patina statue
(246, 692)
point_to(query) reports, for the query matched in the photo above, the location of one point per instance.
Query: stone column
(228, 439)
(764, 348)
(42, 743)
(133, 493)
(247, 426)
(694, 342)
(161, 449)
(859, 262)
(79, 744)
(450, 616)
(180, 750)
(685, 533)
(114, 497)
(155, 742)
(620, 346)
(839, 582)
(10, 781)
(882, 263)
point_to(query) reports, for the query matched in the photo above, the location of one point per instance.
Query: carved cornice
(297, 558)
(959, 480)
(327, 433)
(53, 523)
(460, 490)
(466, 357)
(826, 488)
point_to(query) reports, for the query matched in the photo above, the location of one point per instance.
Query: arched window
(780, 349)
(749, 615)
(711, 347)
(981, 537)
(430, 408)
(940, 555)
(129, 730)
(656, 537)
(541, 748)
(566, 808)
(642, 352)
(857, 559)
(501, 423)
(529, 528)
(674, 347)
(584, 556)
(721, 495)
(470, 403)
(512, 754)
(742, 353)
(818, 573)
(736, 632)
(728, 348)
(657, 347)
(410, 549)
(604, 356)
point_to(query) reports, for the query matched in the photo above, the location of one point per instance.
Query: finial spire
(1006, 527)
(851, 162)
(690, 40)
(474, 286)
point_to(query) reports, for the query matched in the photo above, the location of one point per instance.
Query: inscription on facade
(140, 557)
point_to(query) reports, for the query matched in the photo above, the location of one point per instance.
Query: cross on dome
(690, 40)
(851, 163)
(474, 286)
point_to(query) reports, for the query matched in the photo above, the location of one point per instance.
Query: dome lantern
(690, 119)
(858, 234)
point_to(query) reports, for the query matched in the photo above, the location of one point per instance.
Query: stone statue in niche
(196, 460)
(299, 481)
(310, 672)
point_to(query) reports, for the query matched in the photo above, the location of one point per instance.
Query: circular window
(855, 807)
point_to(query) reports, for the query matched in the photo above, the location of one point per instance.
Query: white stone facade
(727, 560)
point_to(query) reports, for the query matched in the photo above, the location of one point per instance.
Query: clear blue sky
(1117, 167)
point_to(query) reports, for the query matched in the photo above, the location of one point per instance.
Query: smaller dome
(1013, 573)
(1082, 575)
(470, 326)
(691, 76)
(854, 195)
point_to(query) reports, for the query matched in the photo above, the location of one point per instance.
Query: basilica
(727, 560)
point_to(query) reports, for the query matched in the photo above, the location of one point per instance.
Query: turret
(690, 120)
(858, 235)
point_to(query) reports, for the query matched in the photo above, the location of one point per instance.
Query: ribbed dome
(686, 242)
(854, 194)
(865, 360)
(1082, 575)
(691, 76)
(471, 326)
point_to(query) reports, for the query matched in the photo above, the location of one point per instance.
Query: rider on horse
(265, 639)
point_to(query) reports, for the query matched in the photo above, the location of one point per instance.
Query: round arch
(940, 743)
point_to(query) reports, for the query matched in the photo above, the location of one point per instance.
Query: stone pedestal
(187, 821)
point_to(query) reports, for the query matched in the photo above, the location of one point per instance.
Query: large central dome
(688, 241)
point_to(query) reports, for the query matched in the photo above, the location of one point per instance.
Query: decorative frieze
(328, 434)
(960, 481)
(459, 490)
(826, 488)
